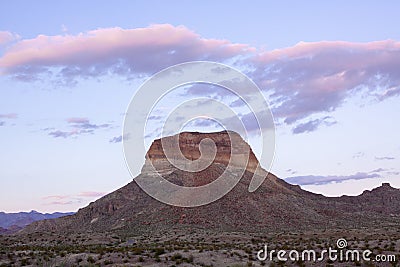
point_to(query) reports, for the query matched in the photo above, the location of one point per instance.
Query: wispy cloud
(91, 194)
(358, 155)
(77, 126)
(155, 117)
(83, 123)
(7, 37)
(291, 171)
(71, 199)
(56, 197)
(385, 158)
(326, 179)
(64, 28)
(61, 200)
(9, 116)
(65, 134)
(118, 139)
(313, 125)
(77, 120)
(68, 202)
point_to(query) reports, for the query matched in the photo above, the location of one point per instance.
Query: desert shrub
(248, 250)
(108, 262)
(158, 251)
(176, 256)
(188, 259)
(25, 261)
(137, 251)
(90, 259)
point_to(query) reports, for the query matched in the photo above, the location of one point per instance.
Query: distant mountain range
(12, 222)
(274, 206)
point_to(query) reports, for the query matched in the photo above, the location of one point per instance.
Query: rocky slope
(274, 206)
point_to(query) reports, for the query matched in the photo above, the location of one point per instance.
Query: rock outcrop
(190, 147)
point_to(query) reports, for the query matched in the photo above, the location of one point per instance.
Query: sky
(329, 70)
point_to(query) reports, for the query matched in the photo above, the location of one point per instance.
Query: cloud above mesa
(300, 81)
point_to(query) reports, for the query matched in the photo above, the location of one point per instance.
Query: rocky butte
(274, 206)
(189, 147)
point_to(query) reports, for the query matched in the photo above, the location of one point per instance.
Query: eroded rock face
(229, 147)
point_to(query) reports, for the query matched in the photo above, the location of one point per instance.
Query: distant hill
(12, 222)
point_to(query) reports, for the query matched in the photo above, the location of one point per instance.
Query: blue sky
(68, 71)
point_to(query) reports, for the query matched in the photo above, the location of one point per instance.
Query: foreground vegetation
(183, 248)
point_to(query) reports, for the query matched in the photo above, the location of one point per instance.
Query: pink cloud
(78, 120)
(305, 79)
(6, 37)
(311, 78)
(9, 116)
(117, 50)
(307, 49)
